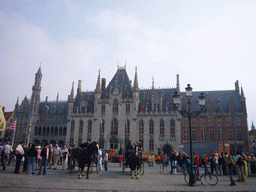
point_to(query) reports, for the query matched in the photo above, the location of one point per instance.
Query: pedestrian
(221, 162)
(38, 150)
(196, 162)
(50, 157)
(25, 163)
(120, 160)
(174, 162)
(241, 167)
(45, 153)
(7, 149)
(205, 163)
(230, 164)
(162, 159)
(56, 156)
(32, 154)
(183, 160)
(166, 160)
(100, 160)
(19, 154)
(216, 163)
(105, 159)
(70, 156)
(64, 152)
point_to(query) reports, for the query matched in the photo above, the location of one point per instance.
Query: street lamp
(189, 114)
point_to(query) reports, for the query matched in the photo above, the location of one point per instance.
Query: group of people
(33, 157)
(220, 164)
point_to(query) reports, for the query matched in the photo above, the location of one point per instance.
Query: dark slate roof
(220, 99)
(56, 104)
(123, 83)
(87, 98)
(150, 94)
(7, 115)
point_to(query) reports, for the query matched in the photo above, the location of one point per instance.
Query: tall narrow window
(203, 133)
(56, 131)
(47, 131)
(141, 127)
(102, 109)
(89, 127)
(39, 131)
(127, 126)
(72, 126)
(81, 127)
(102, 125)
(202, 122)
(64, 131)
(220, 134)
(151, 127)
(185, 135)
(151, 143)
(172, 127)
(115, 107)
(212, 137)
(114, 127)
(239, 134)
(211, 122)
(44, 131)
(193, 122)
(60, 131)
(237, 121)
(193, 135)
(230, 134)
(36, 130)
(229, 121)
(52, 131)
(128, 109)
(161, 127)
(219, 122)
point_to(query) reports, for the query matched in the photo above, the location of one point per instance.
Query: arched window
(115, 107)
(60, 131)
(114, 127)
(172, 127)
(44, 130)
(127, 126)
(47, 131)
(141, 127)
(151, 127)
(81, 127)
(72, 126)
(36, 130)
(89, 127)
(52, 131)
(39, 131)
(64, 131)
(102, 124)
(161, 127)
(56, 131)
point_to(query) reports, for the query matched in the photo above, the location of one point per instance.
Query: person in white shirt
(105, 160)
(56, 155)
(7, 149)
(64, 152)
(19, 154)
(100, 161)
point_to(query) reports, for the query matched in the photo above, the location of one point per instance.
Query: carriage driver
(128, 149)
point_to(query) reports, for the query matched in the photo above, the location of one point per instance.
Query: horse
(85, 157)
(134, 161)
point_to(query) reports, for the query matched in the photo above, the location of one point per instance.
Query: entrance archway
(167, 148)
(113, 143)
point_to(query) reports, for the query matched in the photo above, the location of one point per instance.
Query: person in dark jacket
(31, 155)
(45, 155)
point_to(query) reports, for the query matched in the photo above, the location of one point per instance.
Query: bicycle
(210, 178)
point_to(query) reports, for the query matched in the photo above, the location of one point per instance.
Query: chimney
(103, 84)
(79, 86)
(237, 86)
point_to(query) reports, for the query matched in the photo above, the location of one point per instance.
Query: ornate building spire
(57, 99)
(97, 90)
(153, 82)
(178, 84)
(136, 83)
(71, 96)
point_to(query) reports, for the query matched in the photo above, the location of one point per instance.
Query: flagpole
(13, 137)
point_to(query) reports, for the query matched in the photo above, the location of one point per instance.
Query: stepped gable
(163, 96)
(84, 99)
(59, 106)
(122, 81)
(220, 99)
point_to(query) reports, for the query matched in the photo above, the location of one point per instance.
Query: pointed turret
(252, 127)
(36, 89)
(242, 93)
(57, 99)
(71, 96)
(178, 84)
(17, 105)
(243, 101)
(97, 90)
(136, 84)
(153, 82)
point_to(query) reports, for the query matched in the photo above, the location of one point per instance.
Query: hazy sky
(210, 44)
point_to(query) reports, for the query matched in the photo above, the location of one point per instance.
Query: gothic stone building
(121, 111)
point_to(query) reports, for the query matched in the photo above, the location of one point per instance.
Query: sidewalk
(113, 180)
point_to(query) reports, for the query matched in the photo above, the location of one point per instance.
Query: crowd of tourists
(219, 164)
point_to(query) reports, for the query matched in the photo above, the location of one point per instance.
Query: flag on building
(29, 127)
(12, 126)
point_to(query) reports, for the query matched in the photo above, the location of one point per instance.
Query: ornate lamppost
(189, 114)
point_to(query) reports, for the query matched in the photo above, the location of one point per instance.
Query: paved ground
(113, 180)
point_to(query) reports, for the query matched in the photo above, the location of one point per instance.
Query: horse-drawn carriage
(85, 154)
(133, 159)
